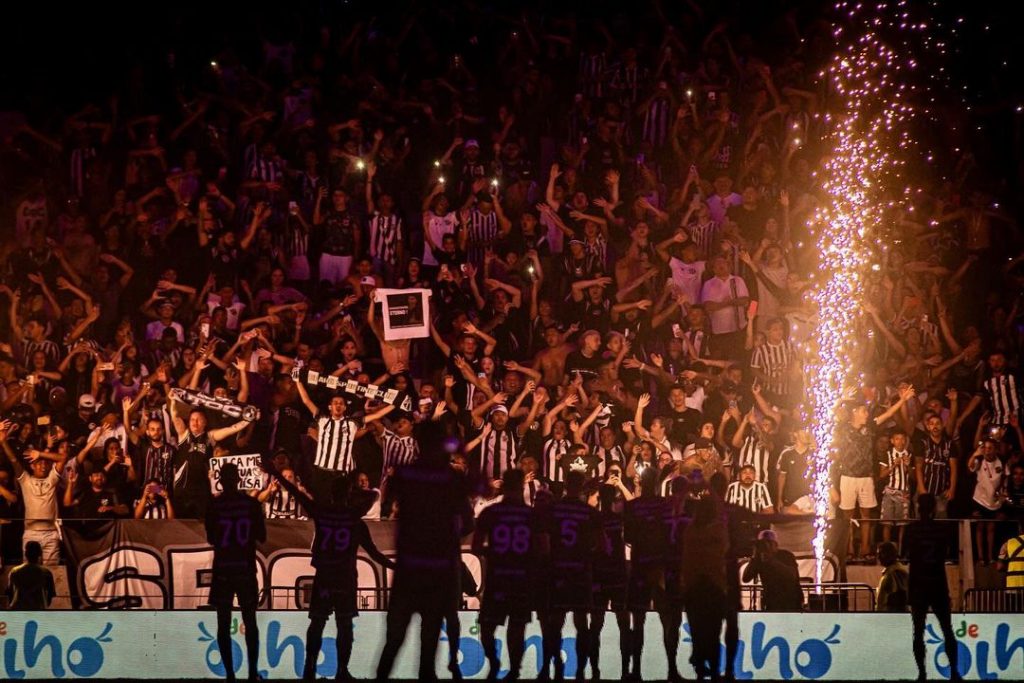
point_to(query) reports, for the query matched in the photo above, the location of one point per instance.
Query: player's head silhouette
(229, 478)
(512, 482)
(649, 482)
(607, 494)
(574, 485)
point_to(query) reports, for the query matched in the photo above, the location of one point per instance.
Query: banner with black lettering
(165, 564)
(388, 396)
(224, 406)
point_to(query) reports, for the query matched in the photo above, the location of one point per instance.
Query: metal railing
(997, 600)
(828, 597)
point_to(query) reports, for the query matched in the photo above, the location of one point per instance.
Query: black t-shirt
(645, 530)
(794, 464)
(927, 546)
(90, 502)
(577, 362)
(610, 554)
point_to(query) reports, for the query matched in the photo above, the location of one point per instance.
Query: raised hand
(644, 401)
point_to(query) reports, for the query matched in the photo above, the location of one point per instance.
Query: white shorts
(804, 504)
(854, 491)
(49, 539)
(298, 268)
(334, 269)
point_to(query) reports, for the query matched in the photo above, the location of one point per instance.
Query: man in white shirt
(39, 492)
(225, 297)
(725, 297)
(687, 271)
(723, 198)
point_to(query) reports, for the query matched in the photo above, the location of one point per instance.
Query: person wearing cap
(778, 573)
(163, 310)
(854, 443)
(498, 437)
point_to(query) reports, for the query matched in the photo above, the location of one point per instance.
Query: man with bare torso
(550, 362)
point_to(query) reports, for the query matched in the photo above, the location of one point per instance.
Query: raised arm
(306, 400)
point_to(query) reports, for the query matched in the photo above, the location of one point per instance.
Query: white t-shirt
(234, 311)
(438, 227)
(687, 276)
(155, 330)
(40, 497)
(988, 489)
(730, 318)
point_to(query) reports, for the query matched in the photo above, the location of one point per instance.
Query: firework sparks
(864, 129)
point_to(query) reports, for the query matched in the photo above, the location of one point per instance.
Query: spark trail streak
(865, 127)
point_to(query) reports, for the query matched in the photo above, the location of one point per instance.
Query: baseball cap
(471, 143)
(767, 535)
(87, 401)
(368, 280)
(576, 241)
(499, 409)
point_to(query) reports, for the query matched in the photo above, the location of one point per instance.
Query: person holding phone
(155, 502)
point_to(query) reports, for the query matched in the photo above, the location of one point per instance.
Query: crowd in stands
(611, 218)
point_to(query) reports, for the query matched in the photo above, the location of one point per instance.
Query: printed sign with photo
(406, 312)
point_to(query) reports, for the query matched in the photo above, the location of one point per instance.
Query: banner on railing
(183, 645)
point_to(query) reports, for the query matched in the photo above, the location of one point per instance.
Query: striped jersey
(499, 451)
(334, 443)
(481, 233)
(774, 361)
(554, 450)
(752, 452)
(385, 234)
(899, 473)
(754, 497)
(1003, 394)
(398, 451)
(283, 505)
(50, 348)
(154, 510)
(607, 456)
(703, 234)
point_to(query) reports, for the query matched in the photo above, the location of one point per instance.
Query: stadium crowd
(612, 220)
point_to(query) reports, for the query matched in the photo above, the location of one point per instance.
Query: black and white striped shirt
(154, 510)
(553, 450)
(1003, 394)
(754, 497)
(385, 234)
(774, 360)
(158, 462)
(398, 451)
(50, 348)
(481, 232)
(752, 452)
(334, 444)
(703, 234)
(294, 240)
(283, 505)
(607, 457)
(899, 473)
(499, 451)
(593, 74)
(657, 121)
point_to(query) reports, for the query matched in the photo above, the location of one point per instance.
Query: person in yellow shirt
(1011, 559)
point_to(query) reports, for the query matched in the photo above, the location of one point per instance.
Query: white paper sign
(251, 477)
(406, 312)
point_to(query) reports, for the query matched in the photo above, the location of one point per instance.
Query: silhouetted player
(645, 532)
(340, 530)
(507, 537)
(234, 525)
(927, 543)
(739, 524)
(433, 515)
(610, 578)
(573, 529)
(670, 606)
